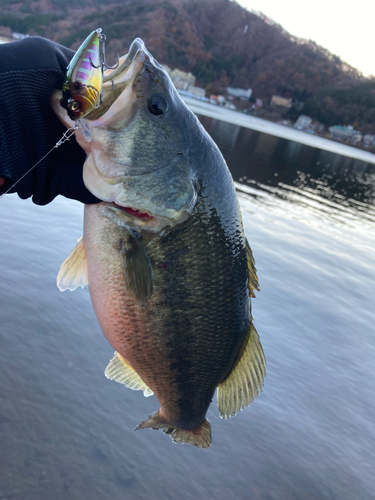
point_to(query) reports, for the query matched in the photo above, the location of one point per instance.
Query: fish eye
(74, 106)
(157, 105)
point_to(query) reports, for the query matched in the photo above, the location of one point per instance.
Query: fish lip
(136, 47)
(119, 78)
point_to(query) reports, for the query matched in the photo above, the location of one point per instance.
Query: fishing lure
(82, 89)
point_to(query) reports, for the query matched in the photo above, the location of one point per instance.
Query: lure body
(82, 89)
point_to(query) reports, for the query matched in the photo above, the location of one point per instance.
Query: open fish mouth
(116, 80)
(114, 83)
(125, 61)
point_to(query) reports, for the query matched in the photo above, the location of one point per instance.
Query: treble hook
(102, 62)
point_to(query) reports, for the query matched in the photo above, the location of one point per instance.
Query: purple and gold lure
(82, 89)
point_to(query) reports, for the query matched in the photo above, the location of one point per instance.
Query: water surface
(66, 432)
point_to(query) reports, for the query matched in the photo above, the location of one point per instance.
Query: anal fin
(120, 371)
(73, 271)
(200, 437)
(245, 381)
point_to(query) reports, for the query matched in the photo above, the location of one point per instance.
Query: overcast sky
(346, 29)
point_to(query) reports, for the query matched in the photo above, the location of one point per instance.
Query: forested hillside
(220, 42)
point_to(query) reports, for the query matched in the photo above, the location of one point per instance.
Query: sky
(347, 29)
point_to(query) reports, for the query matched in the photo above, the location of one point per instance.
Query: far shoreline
(267, 127)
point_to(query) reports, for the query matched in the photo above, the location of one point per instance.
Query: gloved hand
(30, 69)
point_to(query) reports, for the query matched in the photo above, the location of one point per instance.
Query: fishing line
(67, 135)
(75, 64)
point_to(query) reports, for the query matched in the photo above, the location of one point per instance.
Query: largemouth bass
(170, 272)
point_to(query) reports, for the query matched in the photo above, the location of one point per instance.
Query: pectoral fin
(253, 282)
(120, 371)
(73, 271)
(245, 381)
(137, 269)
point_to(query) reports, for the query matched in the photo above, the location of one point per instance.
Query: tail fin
(200, 437)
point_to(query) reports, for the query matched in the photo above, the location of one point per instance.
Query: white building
(303, 122)
(340, 132)
(181, 79)
(281, 101)
(241, 93)
(369, 139)
(197, 91)
(19, 36)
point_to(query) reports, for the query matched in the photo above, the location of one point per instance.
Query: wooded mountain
(219, 41)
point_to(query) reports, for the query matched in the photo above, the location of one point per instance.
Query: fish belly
(129, 327)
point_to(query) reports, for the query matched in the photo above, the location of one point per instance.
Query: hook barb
(102, 60)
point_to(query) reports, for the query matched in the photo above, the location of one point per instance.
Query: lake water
(66, 432)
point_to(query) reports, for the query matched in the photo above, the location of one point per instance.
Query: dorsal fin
(251, 270)
(73, 271)
(120, 371)
(245, 381)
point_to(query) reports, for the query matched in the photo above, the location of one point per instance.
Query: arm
(30, 70)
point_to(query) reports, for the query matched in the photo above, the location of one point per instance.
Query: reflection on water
(227, 132)
(272, 161)
(322, 201)
(66, 432)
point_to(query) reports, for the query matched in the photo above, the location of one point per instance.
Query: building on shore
(281, 101)
(342, 133)
(217, 99)
(339, 132)
(198, 92)
(369, 140)
(181, 79)
(357, 136)
(240, 93)
(7, 35)
(303, 122)
(19, 36)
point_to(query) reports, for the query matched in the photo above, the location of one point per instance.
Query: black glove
(30, 69)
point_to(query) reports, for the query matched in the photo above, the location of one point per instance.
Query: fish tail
(200, 437)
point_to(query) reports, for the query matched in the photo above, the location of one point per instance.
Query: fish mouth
(135, 213)
(116, 80)
(136, 47)
(135, 218)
